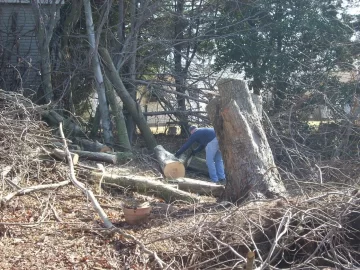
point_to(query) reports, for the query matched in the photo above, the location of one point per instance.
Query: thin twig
(98, 208)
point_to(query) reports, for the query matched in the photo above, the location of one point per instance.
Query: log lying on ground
(199, 187)
(61, 155)
(61, 145)
(53, 119)
(116, 158)
(144, 185)
(92, 146)
(194, 163)
(170, 165)
(198, 165)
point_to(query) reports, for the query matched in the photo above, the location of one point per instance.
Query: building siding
(19, 53)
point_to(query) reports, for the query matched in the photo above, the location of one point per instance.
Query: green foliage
(279, 44)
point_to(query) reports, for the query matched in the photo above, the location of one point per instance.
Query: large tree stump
(170, 165)
(248, 159)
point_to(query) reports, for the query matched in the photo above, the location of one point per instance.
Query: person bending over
(207, 139)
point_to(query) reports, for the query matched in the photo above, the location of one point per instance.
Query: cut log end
(174, 170)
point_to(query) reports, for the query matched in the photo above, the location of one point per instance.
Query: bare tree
(45, 22)
(99, 81)
(131, 105)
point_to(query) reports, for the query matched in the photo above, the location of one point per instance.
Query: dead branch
(98, 208)
(27, 190)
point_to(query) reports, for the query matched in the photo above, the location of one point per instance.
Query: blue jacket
(202, 136)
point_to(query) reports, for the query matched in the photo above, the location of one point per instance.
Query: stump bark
(198, 165)
(248, 159)
(170, 165)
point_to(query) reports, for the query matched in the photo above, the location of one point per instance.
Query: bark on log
(99, 81)
(120, 123)
(61, 145)
(170, 165)
(248, 159)
(61, 155)
(130, 105)
(145, 185)
(115, 158)
(92, 146)
(199, 187)
(54, 119)
(198, 165)
(194, 163)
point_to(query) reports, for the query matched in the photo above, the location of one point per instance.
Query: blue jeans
(214, 161)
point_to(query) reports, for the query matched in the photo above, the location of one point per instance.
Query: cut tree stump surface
(169, 164)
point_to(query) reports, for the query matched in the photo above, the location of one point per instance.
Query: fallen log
(92, 146)
(53, 119)
(170, 165)
(61, 155)
(199, 187)
(198, 165)
(145, 185)
(61, 145)
(115, 158)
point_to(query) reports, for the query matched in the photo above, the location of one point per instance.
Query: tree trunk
(95, 123)
(44, 31)
(180, 75)
(144, 185)
(99, 81)
(249, 163)
(122, 134)
(170, 165)
(132, 66)
(72, 17)
(130, 105)
(258, 104)
(54, 119)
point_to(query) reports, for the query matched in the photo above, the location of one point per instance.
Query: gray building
(19, 54)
